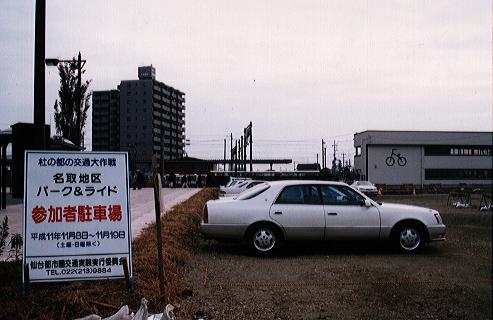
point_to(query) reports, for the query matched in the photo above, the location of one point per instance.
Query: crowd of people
(139, 180)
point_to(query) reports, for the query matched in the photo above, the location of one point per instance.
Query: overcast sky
(299, 70)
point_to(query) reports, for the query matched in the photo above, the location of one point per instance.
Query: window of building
(444, 150)
(458, 174)
(358, 151)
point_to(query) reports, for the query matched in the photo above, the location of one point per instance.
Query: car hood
(389, 207)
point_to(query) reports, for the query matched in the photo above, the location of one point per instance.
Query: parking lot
(447, 280)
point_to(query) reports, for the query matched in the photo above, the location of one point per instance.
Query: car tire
(408, 238)
(263, 239)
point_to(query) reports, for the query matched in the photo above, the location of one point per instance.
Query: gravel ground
(447, 280)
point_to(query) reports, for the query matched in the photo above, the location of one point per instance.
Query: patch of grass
(180, 231)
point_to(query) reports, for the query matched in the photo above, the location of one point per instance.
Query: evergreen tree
(74, 101)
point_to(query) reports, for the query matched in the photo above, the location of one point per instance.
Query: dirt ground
(447, 280)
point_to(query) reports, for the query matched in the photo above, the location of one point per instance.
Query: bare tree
(71, 109)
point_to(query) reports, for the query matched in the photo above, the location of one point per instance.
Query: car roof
(298, 182)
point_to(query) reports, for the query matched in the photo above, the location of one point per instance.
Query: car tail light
(205, 215)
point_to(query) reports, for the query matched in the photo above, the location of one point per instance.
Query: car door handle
(278, 212)
(332, 213)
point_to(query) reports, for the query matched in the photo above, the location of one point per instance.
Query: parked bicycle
(390, 160)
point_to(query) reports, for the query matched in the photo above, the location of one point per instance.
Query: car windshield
(253, 192)
(364, 183)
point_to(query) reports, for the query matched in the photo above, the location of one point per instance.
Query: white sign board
(76, 215)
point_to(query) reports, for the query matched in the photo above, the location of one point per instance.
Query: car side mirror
(367, 203)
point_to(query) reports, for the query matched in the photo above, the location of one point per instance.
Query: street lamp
(53, 62)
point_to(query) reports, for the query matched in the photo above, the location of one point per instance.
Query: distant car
(272, 212)
(239, 187)
(365, 187)
(232, 182)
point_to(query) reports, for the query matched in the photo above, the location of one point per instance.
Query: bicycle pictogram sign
(390, 160)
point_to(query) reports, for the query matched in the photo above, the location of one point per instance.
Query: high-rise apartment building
(151, 120)
(106, 120)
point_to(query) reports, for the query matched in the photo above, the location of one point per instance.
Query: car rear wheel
(408, 238)
(263, 239)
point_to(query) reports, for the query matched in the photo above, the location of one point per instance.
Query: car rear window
(241, 184)
(253, 192)
(253, 184)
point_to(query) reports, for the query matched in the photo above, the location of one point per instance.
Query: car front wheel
(263, 239)
(408, 238)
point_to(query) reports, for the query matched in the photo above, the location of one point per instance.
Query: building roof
(423, 138)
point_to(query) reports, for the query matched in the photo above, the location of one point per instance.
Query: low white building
(424, 158)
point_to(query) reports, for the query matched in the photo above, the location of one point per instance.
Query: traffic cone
(414, 192)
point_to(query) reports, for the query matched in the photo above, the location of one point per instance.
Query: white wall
(381, 173)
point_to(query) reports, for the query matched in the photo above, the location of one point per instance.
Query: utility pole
(39, 72)
(238, 154)
(334, 145)
(343, 168)
(231, 154)
(241, 153)
(236, 157)
(334, 154)
(79, 98)
(244, 152)
(224, 164)
(323, 156)
(251, 142)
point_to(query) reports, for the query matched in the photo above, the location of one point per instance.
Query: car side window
(340, 195)
(304, 194)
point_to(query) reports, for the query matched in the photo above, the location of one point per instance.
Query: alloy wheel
(264, 239)
(409, 239)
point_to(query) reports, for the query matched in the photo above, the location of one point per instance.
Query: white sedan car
(277, 211)
(365, 187)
